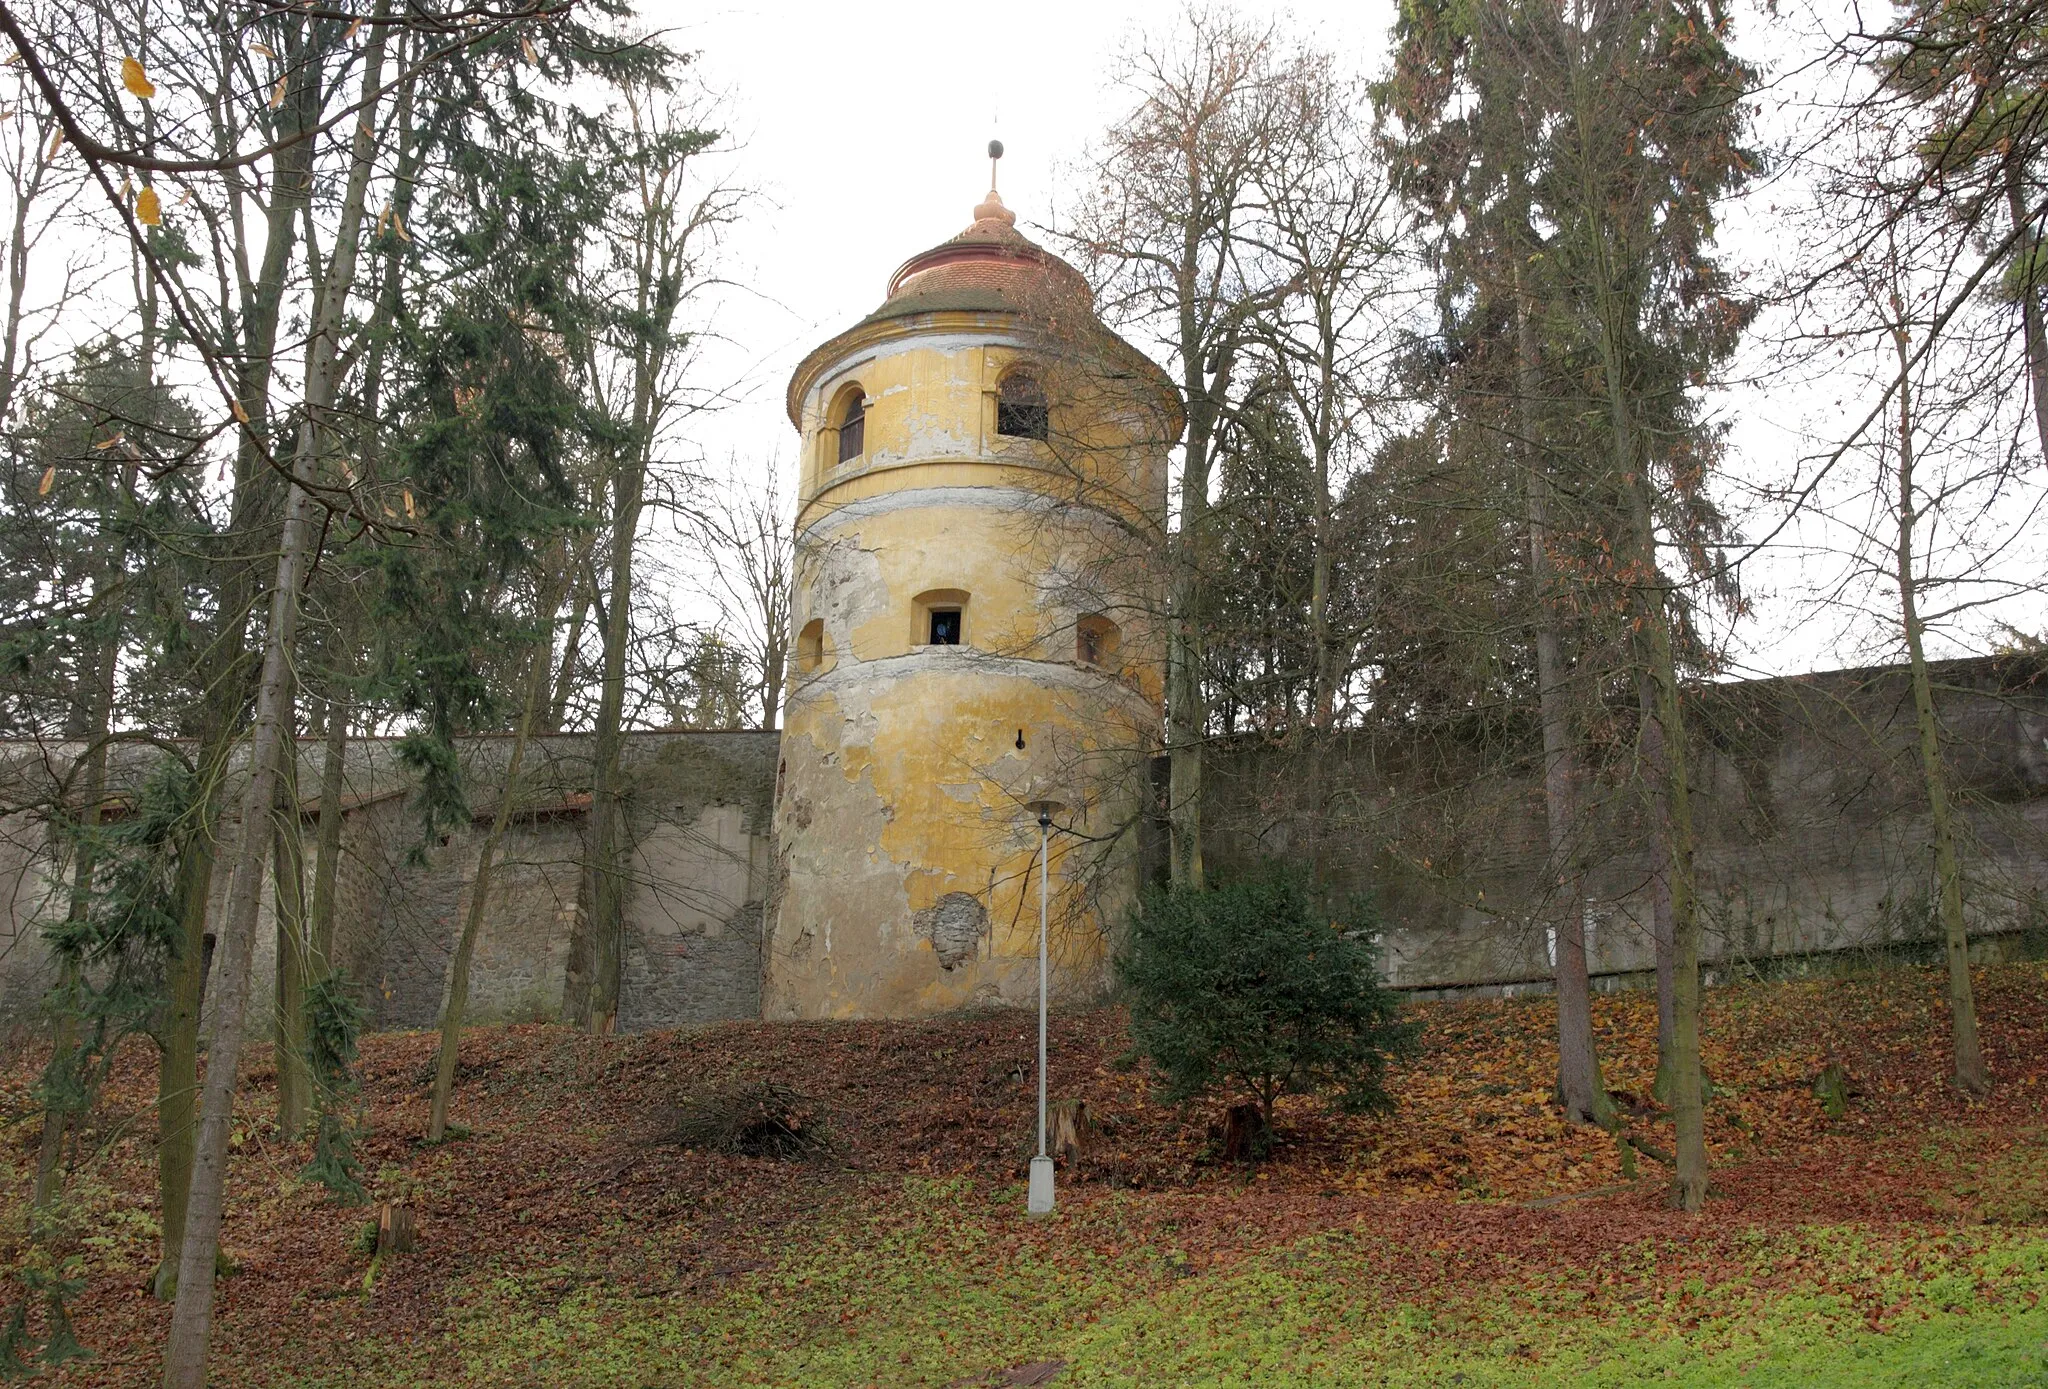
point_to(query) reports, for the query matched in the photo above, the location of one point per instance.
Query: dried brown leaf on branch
(136, 80)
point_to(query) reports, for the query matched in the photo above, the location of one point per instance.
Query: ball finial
(992, 206)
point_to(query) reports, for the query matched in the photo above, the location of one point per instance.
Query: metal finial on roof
(991, 208)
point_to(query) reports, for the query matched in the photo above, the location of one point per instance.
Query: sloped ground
(1469, 1237)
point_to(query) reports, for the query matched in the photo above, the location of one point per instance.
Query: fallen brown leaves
(1473, 1177)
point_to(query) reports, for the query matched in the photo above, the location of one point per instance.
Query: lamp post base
(1039, 1201)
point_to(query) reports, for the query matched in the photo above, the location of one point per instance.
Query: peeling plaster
(909, 888)
(954, 926)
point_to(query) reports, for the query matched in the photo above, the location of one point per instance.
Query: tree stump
(1243, 1137)
(394, 1227)
(1068, 1131)
(1833, 1088)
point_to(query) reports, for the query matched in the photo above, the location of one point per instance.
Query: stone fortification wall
(1812, 825)
(698, 812)
(1811, 816)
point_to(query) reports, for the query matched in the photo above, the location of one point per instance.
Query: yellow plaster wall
(906, 881)
(932, 385)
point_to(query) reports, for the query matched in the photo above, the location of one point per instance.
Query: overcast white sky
(864, 131)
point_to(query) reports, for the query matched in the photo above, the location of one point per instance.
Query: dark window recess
(1020, 409)
(945, 627)
(852, 429)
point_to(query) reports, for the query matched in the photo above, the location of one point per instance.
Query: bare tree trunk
(1661, 940)
(192, 1315)
(598, 1006)
(772, 675)
(1579, 1086)
(288, 879)
(327, 840)
(539, 663)
(178, 1073)
(657, 238)
(17, 262)
(1687, 1083)
(226, 676)
(1658, 663)
(1176, 182)
(572, 642)
(1962, 1003)
(334, 758)
(1656, 660)
(1187, 711)
(1184, 718)
(1323, 698)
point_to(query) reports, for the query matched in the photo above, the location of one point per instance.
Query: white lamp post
(1039, 1199)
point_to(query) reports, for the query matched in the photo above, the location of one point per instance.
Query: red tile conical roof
(989, 266)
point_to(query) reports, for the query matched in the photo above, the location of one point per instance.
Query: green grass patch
(944, 1281)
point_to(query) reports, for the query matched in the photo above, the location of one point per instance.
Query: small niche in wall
(1096, 640)
(810, 646)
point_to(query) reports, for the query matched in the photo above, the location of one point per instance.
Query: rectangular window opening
(852, 438)
(1025, 420)
(945, 627)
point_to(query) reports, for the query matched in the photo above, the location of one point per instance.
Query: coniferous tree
(1576, 155)
(1260, 644)
(494, 413)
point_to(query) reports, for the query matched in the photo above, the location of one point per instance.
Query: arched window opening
(1096, 639)
(851, 420)
(939, 618)
(810, 646)
(1021, 410)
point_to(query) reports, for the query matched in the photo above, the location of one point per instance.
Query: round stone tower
(977, 621)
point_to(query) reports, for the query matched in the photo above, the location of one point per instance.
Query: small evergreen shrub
(110, 944)
(1253, 985)
(334, 1023)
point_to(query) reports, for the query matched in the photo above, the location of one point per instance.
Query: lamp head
(1044, 810)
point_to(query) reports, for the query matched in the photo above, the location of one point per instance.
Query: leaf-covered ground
(1468, 1238)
